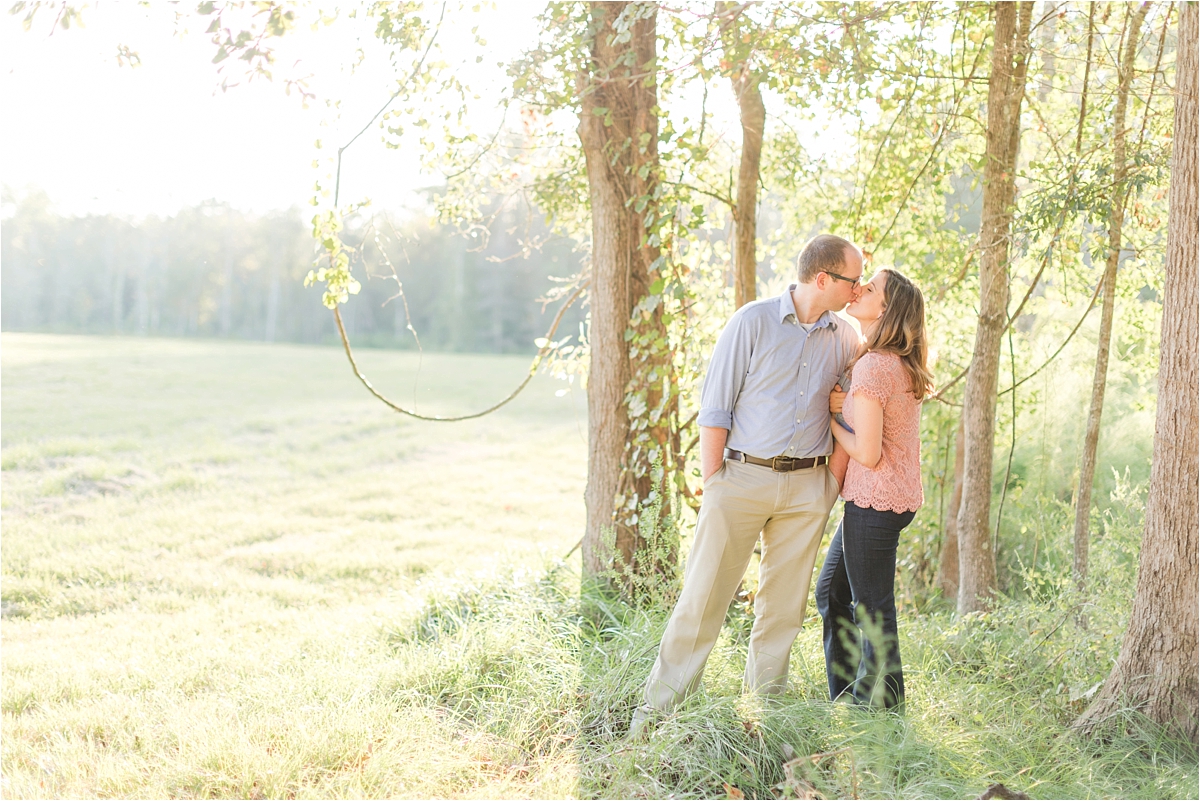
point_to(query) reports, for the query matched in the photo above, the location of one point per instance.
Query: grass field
(229, 572)
(203, 541)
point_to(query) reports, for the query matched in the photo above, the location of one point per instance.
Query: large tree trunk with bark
(1156, 671)
(1006, 91)
(753, 117)
(1091, 440)
(618, 128)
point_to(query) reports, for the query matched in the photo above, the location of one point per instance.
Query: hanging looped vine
(340, 284)
(537, 360)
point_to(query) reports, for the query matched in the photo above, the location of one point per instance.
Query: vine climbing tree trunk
(1156, 670)
(1006, 91)
(1116, 219)
(753, 114)
(629, 373)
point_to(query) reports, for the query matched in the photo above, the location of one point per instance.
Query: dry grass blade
(800, 783)
(1000, 791)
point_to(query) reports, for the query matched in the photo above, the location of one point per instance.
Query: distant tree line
(213, 271)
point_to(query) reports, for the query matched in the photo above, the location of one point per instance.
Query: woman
(882, 490)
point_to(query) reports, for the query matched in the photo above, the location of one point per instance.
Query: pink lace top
(894, 484)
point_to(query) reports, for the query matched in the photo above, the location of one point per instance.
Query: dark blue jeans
(856, 596)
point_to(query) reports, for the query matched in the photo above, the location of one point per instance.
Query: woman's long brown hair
(901, 330)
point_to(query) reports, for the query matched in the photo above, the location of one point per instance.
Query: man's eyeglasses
(851, 281)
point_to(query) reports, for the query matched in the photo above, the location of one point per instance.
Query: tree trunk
(1156, 671)
(618, 128)
(947, 575)
(1091, 441)
(753, 116)
(118, 298)
(143, 283)
(273, 260)
(225, 310)
(1006, 91)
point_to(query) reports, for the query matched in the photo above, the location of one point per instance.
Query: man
(764, 449)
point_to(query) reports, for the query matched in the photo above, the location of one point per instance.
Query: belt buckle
(776, 462)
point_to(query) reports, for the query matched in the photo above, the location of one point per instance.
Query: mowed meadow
(229, 572)
(205, 546)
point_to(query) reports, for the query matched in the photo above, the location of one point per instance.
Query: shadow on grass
(548, 677)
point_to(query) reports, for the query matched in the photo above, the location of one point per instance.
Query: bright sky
(99, 137)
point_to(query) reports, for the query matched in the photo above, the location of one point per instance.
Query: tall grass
(228, 574)
(543, 678)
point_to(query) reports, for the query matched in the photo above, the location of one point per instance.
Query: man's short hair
(823, 253)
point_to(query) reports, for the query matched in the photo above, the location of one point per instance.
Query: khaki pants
(741, 500)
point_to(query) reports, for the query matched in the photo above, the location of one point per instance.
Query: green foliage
(901, 89)
(213, 271)
(400, 24)
(243, 30)
(553, 677)
(196, 604)
(524, 682)
(651, 577)
(65, 14)
(339, 284)
(1038, 506)
(875, 130)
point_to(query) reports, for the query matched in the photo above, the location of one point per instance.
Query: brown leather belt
(780, 464)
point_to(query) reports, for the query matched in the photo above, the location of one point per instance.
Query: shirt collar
(787, 308)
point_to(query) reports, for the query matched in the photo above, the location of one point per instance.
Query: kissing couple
(778, 443)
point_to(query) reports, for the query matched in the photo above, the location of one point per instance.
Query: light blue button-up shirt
(768, 381)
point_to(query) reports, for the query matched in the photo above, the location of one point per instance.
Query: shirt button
(801, 393)
(805, 364)
(797, 422)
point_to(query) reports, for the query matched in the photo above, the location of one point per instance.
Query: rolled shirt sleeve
(726, 374)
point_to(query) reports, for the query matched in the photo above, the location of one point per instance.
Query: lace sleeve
(873, 378)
